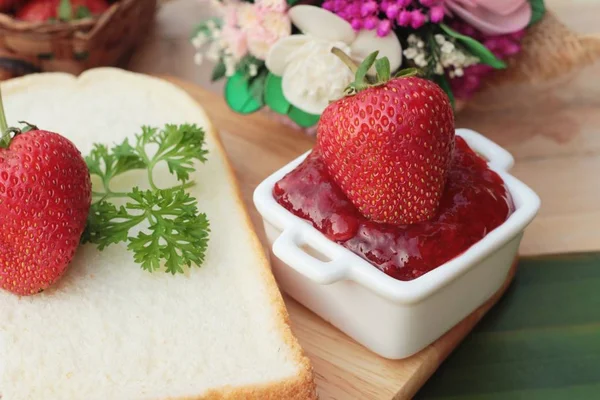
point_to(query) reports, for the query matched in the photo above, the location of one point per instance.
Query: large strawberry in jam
(388, 146)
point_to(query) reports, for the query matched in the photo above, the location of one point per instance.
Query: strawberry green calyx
(7, 133)
(3, 123)
(361, 80)
(5, 130)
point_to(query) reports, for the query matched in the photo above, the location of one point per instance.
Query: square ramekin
(393, 318)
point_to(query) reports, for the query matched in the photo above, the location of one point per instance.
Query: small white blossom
(447, 47)
(229, 66)
(412, 39)
(440, 39)
(410, 53)
(420, 60)
(199, 40)
(214, 51)
(252, 70)
(210, 24)
(198, 58)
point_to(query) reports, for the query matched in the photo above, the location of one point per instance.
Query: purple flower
(392, 11)
(356, 23)
(436, 14)
(370, 22)
(368, 8)
(353, 10)
(384, 28)
(329, 5)
(417, 19)
(404, 18)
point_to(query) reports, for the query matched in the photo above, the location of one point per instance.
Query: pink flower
(271, 27)
(493, 17)
(235, 40)
(271, 5)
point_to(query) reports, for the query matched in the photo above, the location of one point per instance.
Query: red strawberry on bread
(388, 144)
(45, 196)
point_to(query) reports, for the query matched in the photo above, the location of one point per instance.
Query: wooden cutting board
(257, 146)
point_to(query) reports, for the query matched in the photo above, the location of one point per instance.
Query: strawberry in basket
(65, 10)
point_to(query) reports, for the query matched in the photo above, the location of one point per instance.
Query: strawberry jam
(475, 201)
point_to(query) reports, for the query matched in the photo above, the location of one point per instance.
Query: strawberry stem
(382, 67)
(7, 133)
(345, 59)
(3, 123)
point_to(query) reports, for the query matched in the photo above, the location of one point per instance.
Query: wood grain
(345, 370)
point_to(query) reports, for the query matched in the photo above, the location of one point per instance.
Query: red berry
(45, 195)
(389, 148)
(43, 10)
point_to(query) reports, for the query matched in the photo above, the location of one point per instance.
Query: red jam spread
(475, 201)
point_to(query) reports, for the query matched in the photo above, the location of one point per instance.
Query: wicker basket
(27, 47)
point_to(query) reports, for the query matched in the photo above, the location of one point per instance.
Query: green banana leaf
(541, 341)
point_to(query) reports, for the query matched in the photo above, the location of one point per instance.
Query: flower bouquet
(276, 54)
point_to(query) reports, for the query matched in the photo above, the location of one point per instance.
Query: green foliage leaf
(178, 146)
(257, 87)
(204, 28)
(302, 118)
(476, 48)
(382, 66)
(178, 234)
(175, 233)
(274, 97)
(218, 72)
(65, 10)
(538, 9)
(363, 68)
(238, 95)
(442, 81)
(83, 12)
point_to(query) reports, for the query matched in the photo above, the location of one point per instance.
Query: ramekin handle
(288, 247)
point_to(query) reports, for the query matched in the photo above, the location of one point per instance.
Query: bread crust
(300, 387)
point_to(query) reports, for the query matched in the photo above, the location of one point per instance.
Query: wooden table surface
(552, 129)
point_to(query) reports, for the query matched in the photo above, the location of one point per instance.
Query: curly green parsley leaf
(173, 233)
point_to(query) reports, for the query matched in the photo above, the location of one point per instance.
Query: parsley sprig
(172, 232)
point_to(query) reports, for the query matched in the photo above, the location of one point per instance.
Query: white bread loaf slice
(108, 329)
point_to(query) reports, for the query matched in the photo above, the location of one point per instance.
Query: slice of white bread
(108, 329)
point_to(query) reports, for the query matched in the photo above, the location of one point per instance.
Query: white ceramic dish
(393, 318)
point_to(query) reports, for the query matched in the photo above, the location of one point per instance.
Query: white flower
(252, 69)
(210, 24)
(410, 53)
(198, 57)
(312, 75)
(199, 40)
(447, 47)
